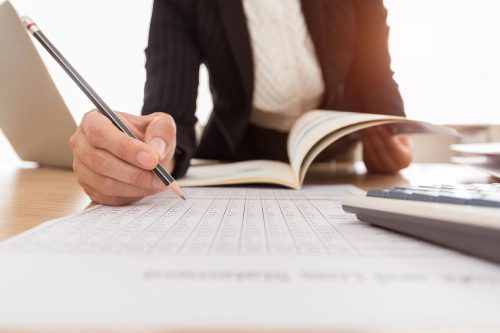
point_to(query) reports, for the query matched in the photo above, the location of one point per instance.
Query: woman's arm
(371, 74)
(172, 69)
(376, 90)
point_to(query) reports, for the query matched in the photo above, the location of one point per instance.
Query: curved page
(311, 129)
(394, 125)
(315, 125)
(329, 139)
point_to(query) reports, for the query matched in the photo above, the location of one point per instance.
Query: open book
(311, 134)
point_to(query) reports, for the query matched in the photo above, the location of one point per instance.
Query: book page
(395, 126)
(315, 126)
(326, 141)
(291, 259)
(246, 172)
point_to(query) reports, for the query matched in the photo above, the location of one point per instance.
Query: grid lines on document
(221, 221)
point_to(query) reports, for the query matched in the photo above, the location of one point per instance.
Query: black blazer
(350, 38)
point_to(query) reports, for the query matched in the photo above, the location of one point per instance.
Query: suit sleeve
(172, 69)
(371, 74)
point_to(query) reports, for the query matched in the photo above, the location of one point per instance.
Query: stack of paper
(485, 156)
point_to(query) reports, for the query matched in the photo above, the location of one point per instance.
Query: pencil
(31, 26)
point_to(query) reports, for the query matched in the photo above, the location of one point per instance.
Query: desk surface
(30, 196)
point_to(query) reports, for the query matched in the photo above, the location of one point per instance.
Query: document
(220, 221)
(238, 258)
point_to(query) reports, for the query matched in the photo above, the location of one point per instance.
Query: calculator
(461, 217)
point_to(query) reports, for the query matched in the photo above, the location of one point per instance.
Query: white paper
(483, 148)
(488, 164)
(238, 258)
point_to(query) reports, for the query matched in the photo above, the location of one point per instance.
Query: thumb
(160, 135)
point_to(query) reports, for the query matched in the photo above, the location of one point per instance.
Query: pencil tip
(177, 190)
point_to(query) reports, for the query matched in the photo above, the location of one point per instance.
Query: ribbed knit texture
(287, 75)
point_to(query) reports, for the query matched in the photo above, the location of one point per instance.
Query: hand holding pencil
(118, 158)
(115, 169)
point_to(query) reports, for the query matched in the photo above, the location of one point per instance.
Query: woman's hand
(115, 169)
(384, 152)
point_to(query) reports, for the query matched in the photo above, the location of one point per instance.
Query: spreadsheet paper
(222, 221)
(238, 258)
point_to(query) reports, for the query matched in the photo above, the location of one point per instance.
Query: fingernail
(157, 183)
(159, 146)
(145, 159)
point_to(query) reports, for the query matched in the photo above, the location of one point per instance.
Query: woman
(269, 62)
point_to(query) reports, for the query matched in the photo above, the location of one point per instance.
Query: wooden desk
(30, 196)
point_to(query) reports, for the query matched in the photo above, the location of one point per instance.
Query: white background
(446, 55)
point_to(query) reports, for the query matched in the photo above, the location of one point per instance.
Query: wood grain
(30, 196)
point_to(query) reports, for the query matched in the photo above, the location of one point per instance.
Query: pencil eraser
(29, 24)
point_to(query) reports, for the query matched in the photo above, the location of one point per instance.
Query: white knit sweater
(288, 78)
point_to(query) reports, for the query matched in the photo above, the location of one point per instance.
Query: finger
(157, 129)
(406, 147)
(368, 149)
(136, 124)
(101, 133)
(161, 134)
(398, 151)
(405, 141)
(370, 157)
(102, 199)
(105, 164)
(378, 146)
(107, 185)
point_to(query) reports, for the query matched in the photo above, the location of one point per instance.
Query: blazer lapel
(331, 24)
(234, 22)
